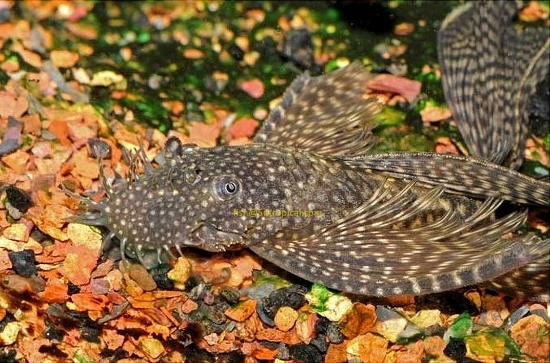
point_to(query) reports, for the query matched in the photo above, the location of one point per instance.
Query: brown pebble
(359, 320)
(336, 353)
(241, 311)
(305, 327)
(141, 276)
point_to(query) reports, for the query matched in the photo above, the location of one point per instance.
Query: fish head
(213, 199)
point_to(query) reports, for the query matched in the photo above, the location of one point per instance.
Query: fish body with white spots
(309, 197)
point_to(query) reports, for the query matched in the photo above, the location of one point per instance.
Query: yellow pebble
(285, 318)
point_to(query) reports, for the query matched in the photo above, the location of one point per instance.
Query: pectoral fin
(365, 254)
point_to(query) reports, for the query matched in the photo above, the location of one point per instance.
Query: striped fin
(364, 254)
(490, 69)
(325, 114)
(529, 282)
(459, 174)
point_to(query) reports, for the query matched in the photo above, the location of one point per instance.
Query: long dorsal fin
(460, 174)
(326, 114)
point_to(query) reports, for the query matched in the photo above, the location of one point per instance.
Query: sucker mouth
(211, 238)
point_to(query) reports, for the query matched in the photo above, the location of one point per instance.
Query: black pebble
(5, 15)
(449, 302)
(115, 355)
(52, 333)
(194, 354)
(302, 353)
(539, 108)
(53, 351)
(283, 353)
(210, 318)
(320, 342)
(18, 198)
(262, 314)
(230, 295)
(333, 333)
(72, 289)
(292, 296)
(160, 275)
(329, 330)
(23, 262)
(236, 52)
(39, 236)
(270, 345)
(90, 334)
(455, 349)
(435, 329)
(9, 356)
(321, 325)
(232, 357)
(7, 319)
(413, 118)
(193, 281)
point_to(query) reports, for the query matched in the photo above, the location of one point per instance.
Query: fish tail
(359, 271)
(528, 282)
(515, 255)
(490, 70)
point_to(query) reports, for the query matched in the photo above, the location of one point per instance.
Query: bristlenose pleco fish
(309, 197)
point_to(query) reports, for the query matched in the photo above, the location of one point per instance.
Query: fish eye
(231, 187)
(227, 187)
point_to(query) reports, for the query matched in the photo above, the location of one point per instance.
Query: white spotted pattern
(386, 224)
